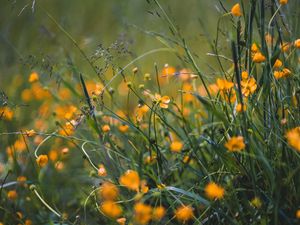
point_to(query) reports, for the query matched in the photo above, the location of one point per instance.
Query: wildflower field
(150, 112)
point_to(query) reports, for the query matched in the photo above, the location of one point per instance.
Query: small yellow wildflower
(12, 195)
(293, 138)
(283, 2)
(111, 209)
(158, 213)
(184, 213)
(258, 57)
(239, 108)
(298, 214)
(102, 171)
(297, 43)
(42, 160)
(105, 128)
(131, 180)
(235, 144)
(176, 146)
(256, 202)
(109, 191)
(214, 191)
(142, 213)
(277, 63)
(33, 77)
(236, 10)
(163, 101)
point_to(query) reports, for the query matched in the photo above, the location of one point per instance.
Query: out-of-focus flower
(142, 213)
(184, 213)
(42, 160)
(236, 10)
(235, 144)
(214, 191)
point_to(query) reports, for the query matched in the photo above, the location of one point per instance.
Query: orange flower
(111, 209)
(298, 214)
(142, 213)
(131, 180)
(102, 171)
(140, 112)
(105, 128)
(30, 133)
(254, 48)
(248, 86)
(258, 57)
(236, 10)
(235, 144)
(214, 191)
(6, 113)
(297, 43)
(123, 128)
(12, 195)
(28, 222)
(121, 221)
(33, 77)
(277, 63)
(163, 101)
(109, 191)
(158, 213)
(293, 138)
(285, 46)
(239, 108)
(245, 75)
(184, 213)
(283, 2)
(42, 160)
(176, 146)
(168, 71)
(223, 84)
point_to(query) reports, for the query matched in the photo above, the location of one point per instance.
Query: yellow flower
(258, 57)
(254, 48)
(131, 180)
(223, 84)
(176, 146)
(111, 209)
(248, 86)
(33, 77)
(102, 171)
(236, 10)
(298, 214)
(239, 108)
(293, 138)
(283, 2)
(184, 213)
(6, 113)
(105, 128)
(28, 222)
(277, 63)
(285, 46)
(256, 202)
(30, 133)
(245, 75)
(123, 128)
(140, 112)
(42, 160)
(12, 195)
(214, 191)
(297, 43)
(109, 191)
(235, 144)
(121, 221)
(163, 101)
(158, 213)
(142, 213)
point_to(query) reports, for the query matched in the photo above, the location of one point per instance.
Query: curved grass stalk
(40, 144)
(33, 189)
(87, 156)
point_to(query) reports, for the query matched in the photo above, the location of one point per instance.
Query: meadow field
(141, 112)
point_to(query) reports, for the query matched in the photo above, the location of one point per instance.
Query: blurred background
(27, 33)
